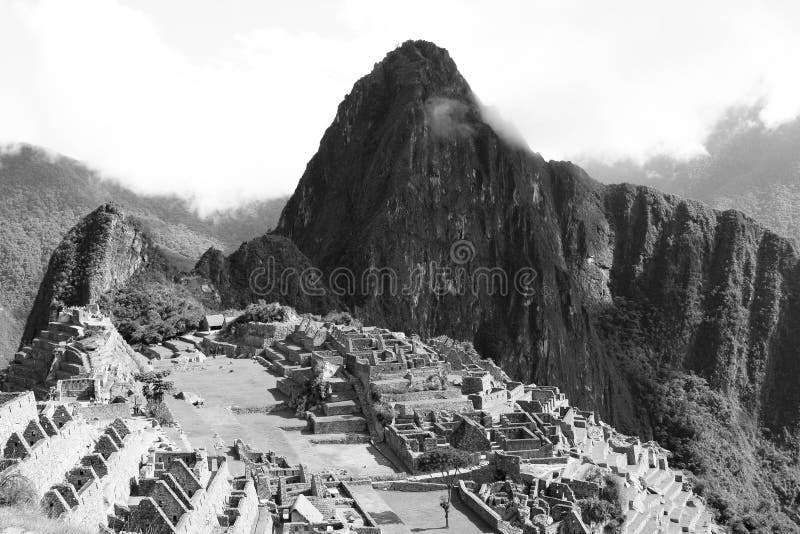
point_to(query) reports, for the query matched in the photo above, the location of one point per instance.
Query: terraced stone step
(341, 408)
(71, 368)
(635, 523)
(337, 424)
(341, 397)
(340, 385)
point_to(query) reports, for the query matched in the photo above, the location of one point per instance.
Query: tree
(444, 502)
(17, 489)
(153, 384)
(385, 413)
(445, 459)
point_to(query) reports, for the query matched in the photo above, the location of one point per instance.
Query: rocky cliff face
(269, 268)
(629, 283)
(407, 171)
(103, 251)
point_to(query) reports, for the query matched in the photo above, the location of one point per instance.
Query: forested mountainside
(43, 195)
(672, 319)
(749, 167)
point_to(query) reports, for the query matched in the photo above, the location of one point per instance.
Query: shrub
(16, 489)
(444, 459)
(597, 511)
(150, 309)
(385, 413)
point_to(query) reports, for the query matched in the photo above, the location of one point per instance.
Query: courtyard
(225, 383)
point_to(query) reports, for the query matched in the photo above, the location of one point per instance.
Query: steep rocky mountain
(42, 195)
(672, 319)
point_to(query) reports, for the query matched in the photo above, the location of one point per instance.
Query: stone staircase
(48, 358)
(342, 399)
(342, 411)
(668, 508)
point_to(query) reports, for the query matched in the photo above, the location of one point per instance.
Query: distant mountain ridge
(749, 167)
(43, 195)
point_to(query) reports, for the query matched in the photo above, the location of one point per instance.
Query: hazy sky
(227, 101)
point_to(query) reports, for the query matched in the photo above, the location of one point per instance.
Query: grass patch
(31, 518)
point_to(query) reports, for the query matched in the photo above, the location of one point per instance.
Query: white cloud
(106, 82)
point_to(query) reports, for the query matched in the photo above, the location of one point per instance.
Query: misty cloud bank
(448, 118)
(741, 151)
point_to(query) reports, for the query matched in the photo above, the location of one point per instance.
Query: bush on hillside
(150, 309)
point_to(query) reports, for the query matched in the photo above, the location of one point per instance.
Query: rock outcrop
(269, 268)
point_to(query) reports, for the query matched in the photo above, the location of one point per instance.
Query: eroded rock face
(103, 251)
(269, 268)
(409, 168)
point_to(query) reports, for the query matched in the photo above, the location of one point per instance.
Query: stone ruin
(443, 395)
(80, 356)
(304, 502)
(114, 478)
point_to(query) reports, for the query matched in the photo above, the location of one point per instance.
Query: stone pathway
(381, 512)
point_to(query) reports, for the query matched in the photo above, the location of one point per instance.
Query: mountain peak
(412, 73)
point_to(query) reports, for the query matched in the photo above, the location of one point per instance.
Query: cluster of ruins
(304, 502)
(118, 476)
(80, 356)
(531, 461)
(441, 395)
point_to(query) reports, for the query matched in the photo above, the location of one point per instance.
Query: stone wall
(78, 388)
(421, 395)
(103, 412)
(207, 504)
(49, 458)
(489, 400)
(213, 347)
(337, 425)
(16, 409)
(583, 489)
(242, 511)
(425, 407)
(474, 503)
(103, 477)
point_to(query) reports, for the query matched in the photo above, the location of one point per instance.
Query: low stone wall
(422, 395)
(213, 347)
(405, 485)
(347, 439)
(270, 408)
(368, 520)
(121, 410)
(479, 474)
(338, 424)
